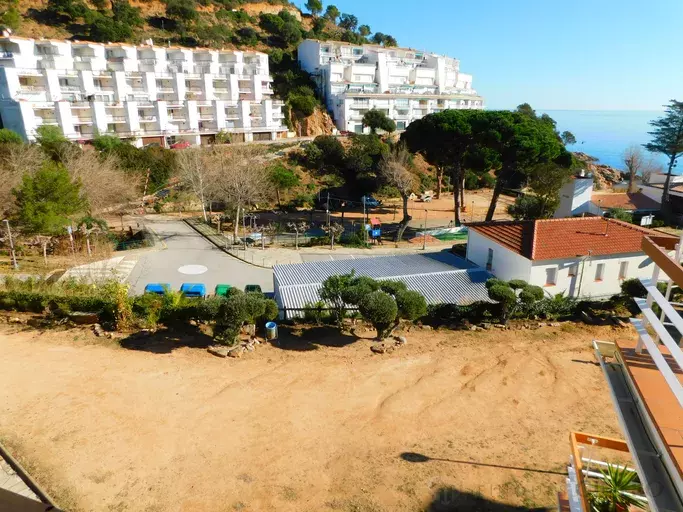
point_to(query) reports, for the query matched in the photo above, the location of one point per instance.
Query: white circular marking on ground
(193, 270)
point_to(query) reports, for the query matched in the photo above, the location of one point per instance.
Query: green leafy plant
(614, 491)
(380, 309)
(512, 295)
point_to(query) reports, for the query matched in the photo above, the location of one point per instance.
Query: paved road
(184, 246)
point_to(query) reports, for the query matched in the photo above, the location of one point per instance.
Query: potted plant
(616, 491)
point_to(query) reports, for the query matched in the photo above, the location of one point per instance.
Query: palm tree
(616, 491)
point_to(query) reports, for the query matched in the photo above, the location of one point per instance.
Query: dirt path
(306, 429)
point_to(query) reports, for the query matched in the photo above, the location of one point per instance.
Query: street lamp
(424, 233)
(11, 246)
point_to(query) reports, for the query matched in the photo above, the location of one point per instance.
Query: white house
(147, 93)
(579, 256)
(403, 83)
(578, 197)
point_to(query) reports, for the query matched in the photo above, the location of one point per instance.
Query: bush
(380, 309)
(316, 313)
(633, 288)
(357, 289)
(393, 287)
(411, 305)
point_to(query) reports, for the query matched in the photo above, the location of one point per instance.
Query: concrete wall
(575, 198)
(584, 283)
(506, 263)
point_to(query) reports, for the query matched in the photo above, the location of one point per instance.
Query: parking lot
(186, 257)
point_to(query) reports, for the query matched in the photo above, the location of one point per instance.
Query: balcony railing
(148, 118)
(116, 119)
(70, 88)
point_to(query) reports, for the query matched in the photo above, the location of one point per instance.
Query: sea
(605, 134)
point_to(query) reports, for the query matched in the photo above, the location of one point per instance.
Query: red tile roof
(565, 238)
(632, 201)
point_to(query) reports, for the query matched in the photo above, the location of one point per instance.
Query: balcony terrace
(646, 380)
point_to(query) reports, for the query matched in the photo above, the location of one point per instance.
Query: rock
(15, 320)
(587, 318)
(36, 322)
(249, 347)
(249, 329)
(236, 352)
(474, 328)
(84, 318)
(541, 324)
(499, 326)
(485, 325)
(454, 327)
(426, 327)
(401, 340)
(218, 350)
(97, 330)
(555, 324)
(382, 348)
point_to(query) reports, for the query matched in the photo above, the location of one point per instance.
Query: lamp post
(424, 233)
(11, 246)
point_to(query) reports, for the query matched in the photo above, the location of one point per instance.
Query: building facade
(578, 257)
(405, 84)
(147, 93)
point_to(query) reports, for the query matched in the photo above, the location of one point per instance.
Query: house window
(358, 128)
(599, 271)
(400, 125)
(489, 260)
(574, 270)
(551, 276)
(623, 270)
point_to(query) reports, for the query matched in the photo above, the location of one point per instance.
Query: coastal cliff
(604, 176)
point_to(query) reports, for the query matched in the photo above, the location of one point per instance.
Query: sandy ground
(309, 427)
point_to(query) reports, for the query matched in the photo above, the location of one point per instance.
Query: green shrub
(393, 287)
(411, 305)
(633, 288)
(315, 313)
(357, 289)
(380, 309)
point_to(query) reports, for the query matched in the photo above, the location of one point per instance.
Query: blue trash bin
(271, 331)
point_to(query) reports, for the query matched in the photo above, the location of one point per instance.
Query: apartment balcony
(232, 116)
(206, 117)
(165, 90)
(32, 89)
(194, 90)
(278, 103)
(267, 90)
(29, 72)
(104, 90)
(46, 121)
(360, 105)
(81, 120)
(226, 70)
(177, 118)
(175, 103)
(69, 88)
(147, 119)
(116, 119)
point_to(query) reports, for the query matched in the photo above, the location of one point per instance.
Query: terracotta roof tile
(566, 238)
(633, 201)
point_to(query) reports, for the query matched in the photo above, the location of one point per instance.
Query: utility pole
(11, 246)
(365, 231)
(424, 233)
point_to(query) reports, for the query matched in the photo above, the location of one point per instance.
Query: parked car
(370, 202)
(197, 290)
(157, 288)
(252, 288)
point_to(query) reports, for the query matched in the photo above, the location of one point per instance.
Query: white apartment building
(149, 94)
(405, 84)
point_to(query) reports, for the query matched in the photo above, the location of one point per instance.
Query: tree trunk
(331, 240)
(406, 219)
(632, 188)
(277, 193)
(439, 181)
(236, 224)
(45, 252)
(296, 240)
(666, 206)
(455, 178)
(462, 191)
(497, 190)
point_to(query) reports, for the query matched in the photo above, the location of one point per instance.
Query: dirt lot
(448, 421)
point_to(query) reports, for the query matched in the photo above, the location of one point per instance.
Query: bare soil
(449, 421)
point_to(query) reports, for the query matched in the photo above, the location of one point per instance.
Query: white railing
(669, 319)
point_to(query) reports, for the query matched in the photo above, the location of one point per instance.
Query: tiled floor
(10, 481)
(658, 397)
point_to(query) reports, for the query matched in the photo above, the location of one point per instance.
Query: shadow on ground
(450, 499)
(165, 341)
(296, 339)
(421, 458)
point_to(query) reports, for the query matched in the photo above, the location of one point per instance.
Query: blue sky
(571, 54)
